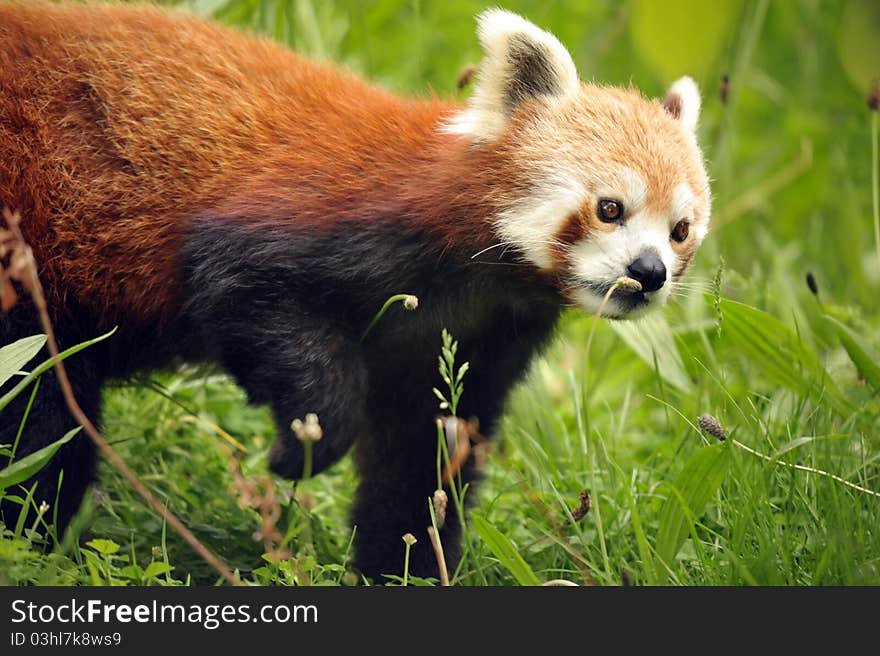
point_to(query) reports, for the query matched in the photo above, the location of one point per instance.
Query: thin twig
(35, 288)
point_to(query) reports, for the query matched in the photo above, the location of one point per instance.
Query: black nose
(649, 270)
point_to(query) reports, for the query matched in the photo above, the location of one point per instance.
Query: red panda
(219, 198)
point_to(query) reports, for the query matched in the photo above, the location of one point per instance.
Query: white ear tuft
(683, 102)
(521, 61)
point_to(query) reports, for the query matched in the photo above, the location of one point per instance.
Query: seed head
(711, 426)
(308, 430)
(873, 98)
(157, 552)
(811, 283)
(581, 511)
(411, 302)
(440, 501)
(409, 539)
(465, 77)
(724, 89)
(625, 282)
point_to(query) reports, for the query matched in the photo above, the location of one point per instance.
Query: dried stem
(804, 468)
(438, 554)
(35, 288)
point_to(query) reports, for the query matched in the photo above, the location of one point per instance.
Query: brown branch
(35, 289)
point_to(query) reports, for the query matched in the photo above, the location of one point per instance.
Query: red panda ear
(520, 62)
(683, 102)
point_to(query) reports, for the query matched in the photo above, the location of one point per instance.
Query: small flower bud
(581, 511)
(724, 89)
(711, 426)
(873, 98)
(409, 539)
(464, 78)
(811, 283)
(440, 501)
(156, 552)
(411, 302)
(308, 430)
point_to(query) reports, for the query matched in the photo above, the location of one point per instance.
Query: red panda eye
(610, 211)
(680, 231)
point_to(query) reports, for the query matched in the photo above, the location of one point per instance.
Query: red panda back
(117, 123)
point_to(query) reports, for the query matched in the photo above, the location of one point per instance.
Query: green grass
(790, 156)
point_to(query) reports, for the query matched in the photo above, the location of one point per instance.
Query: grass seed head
(409, 539)
(440, 501)
(711, 426)
(581, 511)
(873, 98)
(811, 283)
(625, 282)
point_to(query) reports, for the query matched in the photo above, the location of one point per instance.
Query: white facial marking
(682, 203)
(632, 194)
(603, 257)
(531, 223)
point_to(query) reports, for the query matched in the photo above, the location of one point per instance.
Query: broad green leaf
(45, 366)
(505, 552)
(23, 469)
(858, 42)
(14, 356)
(651, 338)
(695, 486)
(867, 363)
(780, 355)
(681, 37)
(156, 568)
(105, 547)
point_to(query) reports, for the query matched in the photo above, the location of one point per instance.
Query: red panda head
(601, 182)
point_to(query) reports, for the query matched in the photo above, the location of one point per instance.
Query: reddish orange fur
(118, 123)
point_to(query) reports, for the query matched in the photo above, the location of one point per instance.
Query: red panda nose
(649, 270)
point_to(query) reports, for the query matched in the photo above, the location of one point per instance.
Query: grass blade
(867, 363)
(781, 356)
(45, 366)
(695, 486)
(504, 551)
(23, 469)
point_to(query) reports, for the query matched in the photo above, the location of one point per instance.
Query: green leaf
(695, 486)
(14, 356)
(867, 363)
(681, 37)
(105, 547)
(858, 45)
(45, 366)
(780, 355)
(652, 340)
(156, 569)
(23, 469)
(505, 552)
